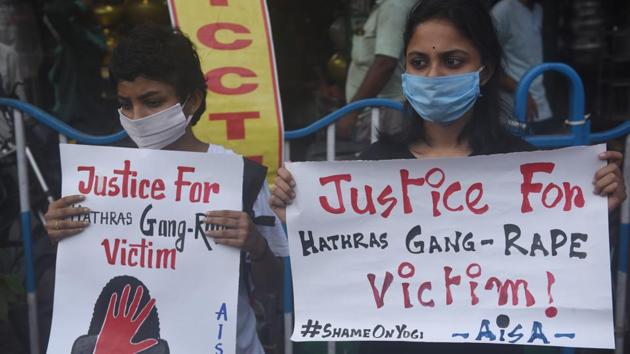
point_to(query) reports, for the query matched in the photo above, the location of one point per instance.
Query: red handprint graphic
(119, 328)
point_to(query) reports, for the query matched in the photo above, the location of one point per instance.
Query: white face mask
(157, 130)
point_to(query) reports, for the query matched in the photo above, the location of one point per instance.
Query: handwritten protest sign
(496, 249)
(145, 252)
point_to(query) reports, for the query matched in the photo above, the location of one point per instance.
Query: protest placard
(508, 249)
(145, 252)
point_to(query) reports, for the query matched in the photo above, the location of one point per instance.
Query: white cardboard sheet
(436, 251)
(146, 229)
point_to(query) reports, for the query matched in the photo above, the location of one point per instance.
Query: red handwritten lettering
(197, 191)
(124, 183)
(142, 254)
(323, 201)
(552, 194)
(527, 187)
(379, 297)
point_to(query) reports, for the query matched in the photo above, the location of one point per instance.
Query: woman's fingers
(283, 192)
(285, 187)
(601, 185)
(67, 201)
(285, 175)
(279, 207)
(611, 168)
(56, 214)
(612, 156)
(608, 180)
(224, 233)
(610, 188)
(68, 224)
(280, 198)
(231, 214)
(223, 221)
(57, 225)
(60, 225)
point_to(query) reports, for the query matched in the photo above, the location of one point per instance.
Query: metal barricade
(327, 122)
(580, 135)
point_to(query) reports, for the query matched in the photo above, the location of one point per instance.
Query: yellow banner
(233, 39)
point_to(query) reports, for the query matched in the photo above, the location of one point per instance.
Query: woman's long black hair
(472, 19)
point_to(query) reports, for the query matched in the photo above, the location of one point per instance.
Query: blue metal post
(25, 212)
(287, 301)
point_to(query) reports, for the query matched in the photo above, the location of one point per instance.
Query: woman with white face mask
(161, 93)
(452, 58)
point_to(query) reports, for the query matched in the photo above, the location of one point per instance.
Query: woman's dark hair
(472, 20)
(149, 329)
(161, 54)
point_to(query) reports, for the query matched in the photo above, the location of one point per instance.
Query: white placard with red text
(146, 212)
(506, 249)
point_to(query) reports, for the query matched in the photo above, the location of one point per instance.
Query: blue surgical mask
(442, 99)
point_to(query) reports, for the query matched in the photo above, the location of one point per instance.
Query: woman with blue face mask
(161, 93)
(451, 82)
(452, 58)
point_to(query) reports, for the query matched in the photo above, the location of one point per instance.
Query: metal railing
(581, 135)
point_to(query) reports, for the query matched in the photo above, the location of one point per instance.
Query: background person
(375, 69)
(519, 29)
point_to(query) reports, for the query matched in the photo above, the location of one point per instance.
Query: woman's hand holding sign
(608, 180)
(58, 211)
(238, 230)
(282, 193)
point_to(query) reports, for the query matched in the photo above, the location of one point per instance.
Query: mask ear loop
(482, 68)
(189, 118)
(185, 101)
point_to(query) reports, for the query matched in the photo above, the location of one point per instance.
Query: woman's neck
(188, 142)
(443, 140)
